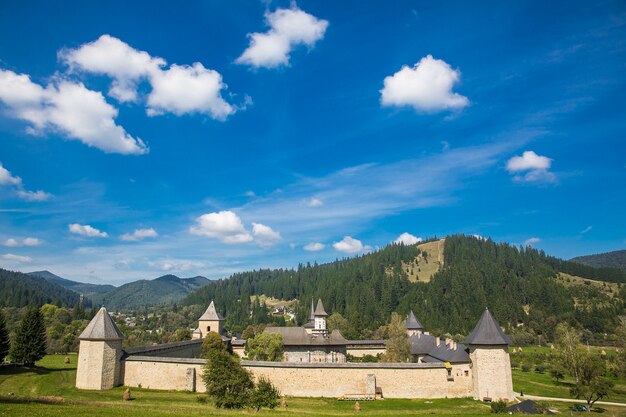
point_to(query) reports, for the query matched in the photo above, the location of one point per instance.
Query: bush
(514, 364)
(227, 382)
(264, 395)
(540, 368)
(526, 367)
(498, 407)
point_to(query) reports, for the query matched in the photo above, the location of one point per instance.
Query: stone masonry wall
(492, 376)
(311, 380)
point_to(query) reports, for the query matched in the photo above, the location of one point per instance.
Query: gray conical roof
(319, 310)
(411, 323)
(211, 313)
(101, 327)
(487, 332)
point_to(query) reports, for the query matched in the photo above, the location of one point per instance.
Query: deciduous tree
(265, 346)
(227, 382)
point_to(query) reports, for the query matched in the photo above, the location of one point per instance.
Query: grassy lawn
(48, 390)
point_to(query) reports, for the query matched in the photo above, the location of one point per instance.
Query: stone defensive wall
(391, 380)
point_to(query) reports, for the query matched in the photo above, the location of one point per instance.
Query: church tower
(320, 319)
(491, 364)
(99, 354)
(412, 325)
(210, 321)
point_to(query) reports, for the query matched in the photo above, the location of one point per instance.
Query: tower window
(208, 328)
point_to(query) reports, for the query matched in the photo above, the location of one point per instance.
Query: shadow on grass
(16, 370)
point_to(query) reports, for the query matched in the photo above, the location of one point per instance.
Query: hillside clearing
(422, 268)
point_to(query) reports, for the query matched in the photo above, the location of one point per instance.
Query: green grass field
(48, 390)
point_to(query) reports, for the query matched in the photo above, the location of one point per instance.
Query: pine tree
(30, 340)
(5, 343)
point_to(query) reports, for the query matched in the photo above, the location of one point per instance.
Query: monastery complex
(314, 362)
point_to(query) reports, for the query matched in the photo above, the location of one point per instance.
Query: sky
(209, 137)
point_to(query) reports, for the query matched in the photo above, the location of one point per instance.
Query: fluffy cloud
(225, 226)
(314, 202)
(68, 108)
(264, 236)
(407, 239)
(16, 258)
(181, 89)
(139, 234)
(425, 87)
(531, 167)
(532, 241)
(28, 241)
(314, 247)
(6, 178)
(351, 246)
(86, 230)
(184, 90)
(116, 59)
(288, 29)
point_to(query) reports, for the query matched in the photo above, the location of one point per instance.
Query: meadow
(48, 390)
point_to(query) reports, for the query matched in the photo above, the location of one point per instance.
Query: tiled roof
(319, 309)
(487, 332)
(211, 313)
(412, 323)
(422, 344)
(101, 327)
(297, 336)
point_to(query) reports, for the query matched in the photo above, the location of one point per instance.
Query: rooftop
(487, 332)
(211, 313)
(412, 323)
(319, 310)
(101, 327)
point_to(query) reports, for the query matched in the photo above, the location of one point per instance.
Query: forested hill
(18, 290)
(519, 285)
(615, 259)
(88, 290)
(145, 293)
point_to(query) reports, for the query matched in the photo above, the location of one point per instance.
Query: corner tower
(99, 354)
(489, 352)
(210, 321)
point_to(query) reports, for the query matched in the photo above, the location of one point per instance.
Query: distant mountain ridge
(88, 290)
(18, 290)
(143, 293)
(614, 259)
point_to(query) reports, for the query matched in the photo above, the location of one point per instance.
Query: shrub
(526, 367)
(514, 364)
(498, 407)
(264, 395)
(227, 382)
(540, 368)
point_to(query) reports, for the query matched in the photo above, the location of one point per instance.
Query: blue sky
(138, 139)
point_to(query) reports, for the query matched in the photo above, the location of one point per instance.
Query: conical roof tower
(487, 332)
(101, 327)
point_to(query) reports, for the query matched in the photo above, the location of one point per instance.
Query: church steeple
(320, 318)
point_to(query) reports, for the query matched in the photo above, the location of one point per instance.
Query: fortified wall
(103, 364)
(391, 380)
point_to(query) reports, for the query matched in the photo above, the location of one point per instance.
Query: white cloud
(314, 247)
(314, 202)
(6, 178)
(288, 29)
(139, 234)
(225, 226)
(171, 265)
(264, 235)
(28, 241)
(407, 239)
(112, 57)
(67, 108)
(179, 89)
(16, 258)
(86, 230)
(351, 246)
(586, 229)
(531, 168)
(184, 90)
(532, 241)
(38, 195)
(426, 87)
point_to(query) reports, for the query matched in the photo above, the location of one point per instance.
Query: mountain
(144, 293)
(88, 290)
(527, 290)
(615, 259)
(18, 289)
